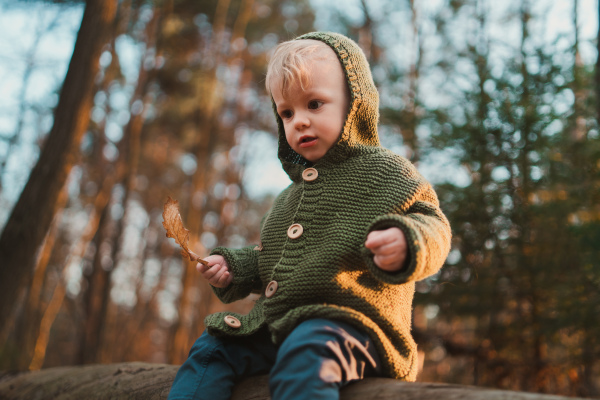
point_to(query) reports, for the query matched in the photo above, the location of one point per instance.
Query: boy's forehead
(329, 67)
(298, 61)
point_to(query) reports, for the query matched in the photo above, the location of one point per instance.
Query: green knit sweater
(325, 271)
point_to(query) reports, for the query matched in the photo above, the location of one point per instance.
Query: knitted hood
(359, 134)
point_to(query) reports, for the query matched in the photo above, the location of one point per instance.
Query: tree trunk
(32, 215)
(183, 330)
(80, 248)
(147, 381)
(93, 300)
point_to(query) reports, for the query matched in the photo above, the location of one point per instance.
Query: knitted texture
(327, 272)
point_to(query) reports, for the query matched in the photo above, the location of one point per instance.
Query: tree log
(137, 380)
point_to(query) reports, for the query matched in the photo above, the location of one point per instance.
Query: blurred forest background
(495, 102)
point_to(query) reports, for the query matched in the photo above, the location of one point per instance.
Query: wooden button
(310, 174)
(295, 231)
(232, 321)
(271, 289)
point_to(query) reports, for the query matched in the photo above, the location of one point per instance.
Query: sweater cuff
(413, 238)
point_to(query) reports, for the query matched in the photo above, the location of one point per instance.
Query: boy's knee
(327, 350)
(318, 358)
(326, 337)
(311, 332)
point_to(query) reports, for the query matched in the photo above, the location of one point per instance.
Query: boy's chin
(312, 158)
(313, 155)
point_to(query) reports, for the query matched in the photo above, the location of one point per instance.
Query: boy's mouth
(307, 141)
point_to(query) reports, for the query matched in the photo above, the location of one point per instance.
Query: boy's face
(313, 118)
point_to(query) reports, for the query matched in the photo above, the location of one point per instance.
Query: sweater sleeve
(243, 264)
(427, 233)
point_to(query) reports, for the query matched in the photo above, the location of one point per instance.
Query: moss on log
(136, 380)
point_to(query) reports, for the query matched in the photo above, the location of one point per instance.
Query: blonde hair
(291, 63)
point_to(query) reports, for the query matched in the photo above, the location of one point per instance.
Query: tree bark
(41, 345)
(147, 381)
(94, 299)
(33, 212)
(183, 330)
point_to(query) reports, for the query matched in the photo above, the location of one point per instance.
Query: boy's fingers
(212, 261)
(376, 239)
(202, 268)
(389, 249)
(218, 279)
(223, 280)
(215, 259)
(210, 272)
(388, 263)
(381, 262)
(218, 274)
(385, 259)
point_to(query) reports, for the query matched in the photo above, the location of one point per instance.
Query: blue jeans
(314, 362)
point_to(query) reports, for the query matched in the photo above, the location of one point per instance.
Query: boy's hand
(217, 273)
(389, 248)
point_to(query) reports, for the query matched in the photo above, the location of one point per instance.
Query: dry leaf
(175, 229)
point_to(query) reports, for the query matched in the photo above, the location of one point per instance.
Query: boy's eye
(286, 114)
(314, 104)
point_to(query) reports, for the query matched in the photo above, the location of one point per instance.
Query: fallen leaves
(175, 229)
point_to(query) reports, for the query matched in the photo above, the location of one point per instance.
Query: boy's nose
(301, 121)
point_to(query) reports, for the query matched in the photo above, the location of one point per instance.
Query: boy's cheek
(287, 139)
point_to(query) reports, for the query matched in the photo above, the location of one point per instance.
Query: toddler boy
(341, 248)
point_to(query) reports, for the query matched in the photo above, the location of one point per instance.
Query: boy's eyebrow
(281, 108)
(281, 105)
